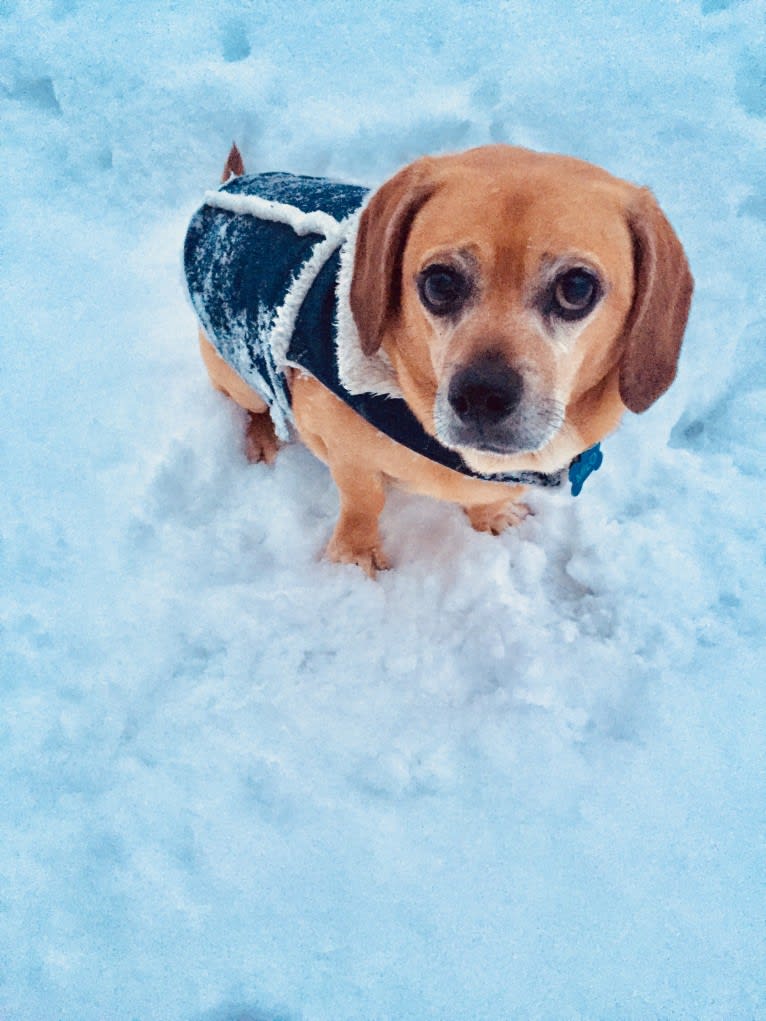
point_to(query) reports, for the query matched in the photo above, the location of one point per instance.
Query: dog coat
(269, 260)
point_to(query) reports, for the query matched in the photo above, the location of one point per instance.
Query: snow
(519, 777)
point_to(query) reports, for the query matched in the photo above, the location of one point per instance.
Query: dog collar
(269, 260)
(580, 469)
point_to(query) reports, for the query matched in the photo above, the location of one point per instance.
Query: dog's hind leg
(261, 443)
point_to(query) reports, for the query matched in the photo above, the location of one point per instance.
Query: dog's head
(509, 288)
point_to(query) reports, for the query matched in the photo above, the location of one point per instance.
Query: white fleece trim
(302, 223)
(359, 373)
(287, 314)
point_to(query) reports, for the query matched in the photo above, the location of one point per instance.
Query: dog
(473, 327)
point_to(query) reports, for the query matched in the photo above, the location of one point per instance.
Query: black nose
(485, 391)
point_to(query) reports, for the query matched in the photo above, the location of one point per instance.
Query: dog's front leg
(356, 539)
(496, 517)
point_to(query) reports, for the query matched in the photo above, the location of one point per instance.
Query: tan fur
(234, 166)
(510, 212)
(261, 442)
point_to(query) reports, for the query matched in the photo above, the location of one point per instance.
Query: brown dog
(518, 302)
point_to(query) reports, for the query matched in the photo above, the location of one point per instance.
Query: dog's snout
(485, 392)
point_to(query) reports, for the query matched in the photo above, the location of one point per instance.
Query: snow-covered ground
(517, 778)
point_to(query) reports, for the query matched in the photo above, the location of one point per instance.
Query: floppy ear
(384, 227)
(656, 323)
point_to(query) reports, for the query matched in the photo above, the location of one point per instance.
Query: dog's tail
(234, 165)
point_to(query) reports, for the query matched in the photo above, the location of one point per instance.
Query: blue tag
(584, 465)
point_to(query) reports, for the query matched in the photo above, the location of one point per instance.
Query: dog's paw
(261, 443)
(371, 560)
(495, 518)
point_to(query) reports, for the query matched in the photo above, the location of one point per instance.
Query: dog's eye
(443, 290)
(574, 294)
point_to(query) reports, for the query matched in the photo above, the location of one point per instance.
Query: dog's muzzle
(488, 406)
